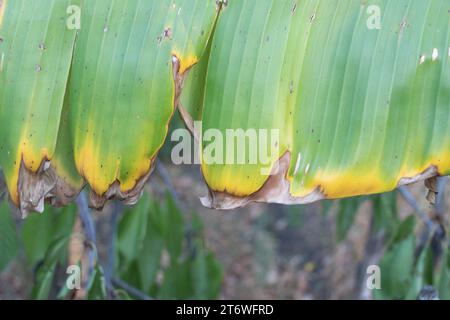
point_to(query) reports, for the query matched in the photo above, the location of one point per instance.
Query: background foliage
(155, 250)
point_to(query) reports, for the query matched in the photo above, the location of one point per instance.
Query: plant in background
(414, 255)
(154, 253)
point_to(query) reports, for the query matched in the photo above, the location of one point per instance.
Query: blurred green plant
(384, 208)
(157, 253)
(40, 231)
(408, 267)
(415, 255)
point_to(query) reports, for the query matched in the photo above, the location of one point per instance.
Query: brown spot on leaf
(294, 8)
(167, 33)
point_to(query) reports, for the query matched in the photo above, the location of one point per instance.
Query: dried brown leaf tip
(275, 190)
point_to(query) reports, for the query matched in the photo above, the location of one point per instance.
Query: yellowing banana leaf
(127, 71)
(87, 89)
(343, 97)
(359, 92)
(35, 53)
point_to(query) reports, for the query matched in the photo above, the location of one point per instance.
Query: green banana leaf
(343, 97)
(361, 106)
(90, 101)
(35, 54)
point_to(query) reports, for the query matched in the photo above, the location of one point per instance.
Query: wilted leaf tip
(276, 189)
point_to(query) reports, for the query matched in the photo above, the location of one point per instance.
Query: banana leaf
(311, 99)
(89, 101)
(359, 93)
